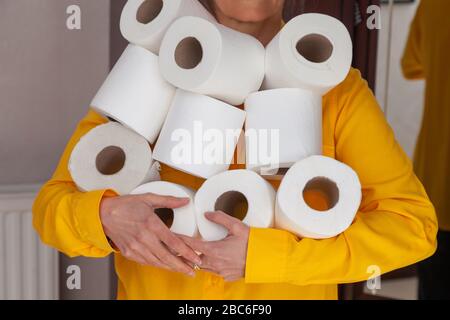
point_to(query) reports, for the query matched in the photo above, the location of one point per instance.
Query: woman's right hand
(141, 236)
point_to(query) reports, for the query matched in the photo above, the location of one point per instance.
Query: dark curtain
(353, 13)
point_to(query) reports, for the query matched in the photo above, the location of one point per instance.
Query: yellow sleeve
(412, 61)
(66, 218)
(396, 225)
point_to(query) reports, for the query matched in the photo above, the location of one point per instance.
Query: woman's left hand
(226, 257)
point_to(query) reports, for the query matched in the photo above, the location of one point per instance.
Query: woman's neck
(264, 30)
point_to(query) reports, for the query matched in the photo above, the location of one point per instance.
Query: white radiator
(28, 269)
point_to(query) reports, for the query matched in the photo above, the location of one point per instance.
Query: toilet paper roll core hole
(321, 194)
(315, 48)
(166, 215)
(233, 203)
(189, 53)
(110, 160)
(149, 10)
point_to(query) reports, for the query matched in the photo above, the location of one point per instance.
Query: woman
(395, 227)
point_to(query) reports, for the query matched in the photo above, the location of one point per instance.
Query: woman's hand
(227, 257)
(140, 235)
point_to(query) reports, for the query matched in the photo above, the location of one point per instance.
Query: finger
(165, 256)
(178, 246)
(134, 256)
(223, 219)
(139, 253)
(212, 264)
(172, 261)
(194, 266)
(157, 201)
(209, 270)
(198, 245)
(230, 275)
(184, 259)
(150, 259)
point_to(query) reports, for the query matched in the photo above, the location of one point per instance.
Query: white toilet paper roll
(111, 156)
(312, 52)
(145, 22)
(155, 172)
(332, 182)
(283, 126)
(200, 135)
(211, 59)
(181, 220)
(239, 193)
(135, 94)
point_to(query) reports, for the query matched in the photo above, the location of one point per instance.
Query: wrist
(106, 208)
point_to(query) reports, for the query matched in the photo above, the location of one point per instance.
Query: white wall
(48, 75)
(405, 98)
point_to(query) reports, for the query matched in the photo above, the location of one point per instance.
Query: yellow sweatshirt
(425, 57)
(395, 226)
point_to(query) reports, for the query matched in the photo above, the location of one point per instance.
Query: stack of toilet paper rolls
(177, 86)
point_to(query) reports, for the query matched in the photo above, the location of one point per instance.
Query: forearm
(69, 220)
(386, 239)
(396, 224)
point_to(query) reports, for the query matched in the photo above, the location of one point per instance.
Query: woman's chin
(249, 11)
(251, 17)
